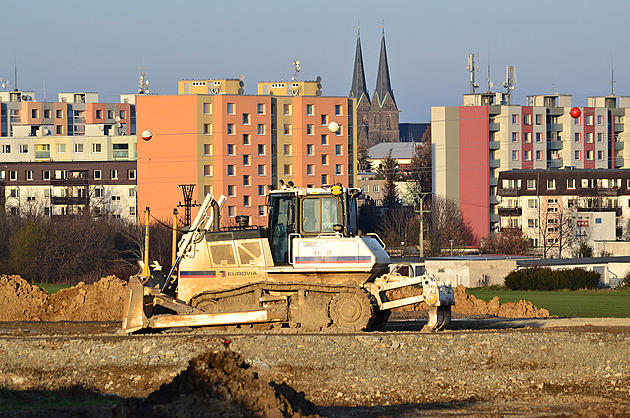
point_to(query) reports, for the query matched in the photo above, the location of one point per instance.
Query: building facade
(70, 157)
(378, 117)
(239, 146)
(473, 143)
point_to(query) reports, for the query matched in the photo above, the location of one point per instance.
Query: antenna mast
(143, 82)
(612, 76)
(510, 81)
(296, 69)
(473, 67)
(15, 66)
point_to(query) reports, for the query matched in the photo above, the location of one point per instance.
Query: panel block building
(473, 143)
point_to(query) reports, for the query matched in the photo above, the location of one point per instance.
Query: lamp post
(451, 241)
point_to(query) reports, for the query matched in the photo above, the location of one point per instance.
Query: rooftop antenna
(143, 82)
(510, 78)
(473, 67)
(612, 76)
(4, 83)
(490, 84)
(15, 66)
(296, 69)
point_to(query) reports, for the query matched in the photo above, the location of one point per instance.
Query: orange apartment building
(239, 146)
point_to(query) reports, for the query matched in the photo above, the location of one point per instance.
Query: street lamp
(451, 241)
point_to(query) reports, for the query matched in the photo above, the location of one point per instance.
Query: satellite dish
(241, 91)
(241, 84)
(101, 128)
(241, 77)
(319, 79)
(117, 118)
(45, 131)
(118, 124)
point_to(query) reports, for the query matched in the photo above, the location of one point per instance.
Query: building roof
(359, 86)
(383, 84)
(400, 150)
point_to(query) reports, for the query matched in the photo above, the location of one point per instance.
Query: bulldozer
(312, 267)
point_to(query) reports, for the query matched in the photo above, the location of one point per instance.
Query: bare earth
(482, 366)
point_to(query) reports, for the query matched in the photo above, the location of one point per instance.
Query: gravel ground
(576, 368)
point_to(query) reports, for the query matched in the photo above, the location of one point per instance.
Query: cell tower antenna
(490, 84)
(472, 68)
(15, 67)
(296, 69)
(510, 78)
(612, 76)
(143, 82)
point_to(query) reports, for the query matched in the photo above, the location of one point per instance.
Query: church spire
(359, 87)
(383, 85)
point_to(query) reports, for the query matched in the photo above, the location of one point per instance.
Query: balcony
(494, 145)
(618, 127)
(42, 154)
(618, 211)
(555, 163)
(494, 182)
(509, 192)
(494, 126)
(555, 111)
(70, 181)
(554, 145)
(120, 154)
(608, 192)
(58, 200)
(495, 200)
(618, 162)
(510, 211)
(554, 127)
(494, 163)
(494, 218)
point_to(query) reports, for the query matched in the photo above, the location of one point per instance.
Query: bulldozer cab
(314, 212)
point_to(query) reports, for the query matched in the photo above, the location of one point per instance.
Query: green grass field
(581, 304)
(52, 288)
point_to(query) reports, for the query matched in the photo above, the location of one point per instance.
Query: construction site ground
(483, 365)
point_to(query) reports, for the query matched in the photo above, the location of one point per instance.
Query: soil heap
(219, 384)
(19, 300)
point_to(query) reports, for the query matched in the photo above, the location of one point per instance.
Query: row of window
(261, 110)
(111, 114)
(527, 119)
(61, 148)
(527, 155)
(571, 184)
(527, 137)
(261, 129)
(63, 174)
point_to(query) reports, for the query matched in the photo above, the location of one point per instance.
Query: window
(132, 192)
(98, 192)
(288, 170)
(231, 170)
(324, 159)
(230, 129)
(99, 113)
(287, 129)
(61, 148)
(59, 114)
(338, 110)
(539, 155)
(114, 174)
(59, 129)
(578, 155)
(230, 149)
(261, 129)
(246, 139)
(287, 149)
(552, 201)
(527, 119)
(246, 119)
(600, 137)
(527, 155)
(110, 114)
(309, 109)
(527, 137)
(246, 180)
(309, 149)
(46, 174)
(96, 148)
(324, 119)
(247, 201)
(287, 109)
(588, 183)
(6, 149)
(339, 169)
(310, 170)
(207, 108)
(338, 149)
(23, 148)
(551, 183)
(122, 114)
(589, 137)
(589, 155)
(532, 223)
(261, 169)
(13, 175)
(532, 203)
(600, 119)
(324, 178)
(600, 155)
(514, 119)
(538, 119)
(589, 119)
(207, 129)
(376, 188)
(261, 149)
(531, 184)
(260, 108)
(231, 211)
(29, 175)
(207, 149)
(230, 190)
(577, 136)
(97, 174)
(115, 198)
(339, 130)
(514, 155)
(552, 210)
(230, 109)
(132, 211)
(273, 109)
(261, 190)
(538, 136)
(514, 136)
(78, 147)
(309, 130)
(132, 174)
(246, 159)
(261, 210)
(324, 139)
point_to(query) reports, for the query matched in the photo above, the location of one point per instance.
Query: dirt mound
(102, 301)
(466, 304)
(19, 300)
(219, 384)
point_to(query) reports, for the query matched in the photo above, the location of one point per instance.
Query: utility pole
(422, 212)
(187, 191)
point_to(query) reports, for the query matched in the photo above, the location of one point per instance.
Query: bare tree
(390, 171)
(509, 241)
(556, 226)
(447, 223)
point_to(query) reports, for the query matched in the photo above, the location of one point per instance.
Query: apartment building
(239, 146)
(558, 209)
(68, 157)
(473, 143)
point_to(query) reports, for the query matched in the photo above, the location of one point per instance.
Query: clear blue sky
(557, 46)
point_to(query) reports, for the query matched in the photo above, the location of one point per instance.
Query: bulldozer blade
(210, 319)
(439, 316)
(134, 318)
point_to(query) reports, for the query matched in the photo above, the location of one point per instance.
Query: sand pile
(219, 384)
(19, 300)
(466, 304)
(101, 301)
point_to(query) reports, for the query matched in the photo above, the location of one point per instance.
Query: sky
(566, 47)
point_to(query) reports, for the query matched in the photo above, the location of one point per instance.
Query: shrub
(539, 278)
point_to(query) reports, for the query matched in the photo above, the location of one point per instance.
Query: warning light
(575, 112)
(147, 135)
